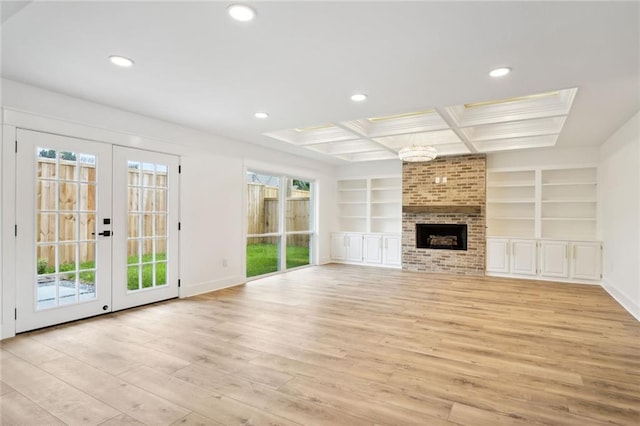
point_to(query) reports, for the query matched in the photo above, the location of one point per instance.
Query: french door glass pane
(263, 255)
(65, 215)
(146, 225)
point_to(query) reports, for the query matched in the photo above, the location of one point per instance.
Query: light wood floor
(338, 345)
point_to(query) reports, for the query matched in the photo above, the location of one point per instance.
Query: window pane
(134, 199)
(133, 253)
(161, 273)
(298, 214)
(262, 203)
(298, 250)
(133, 278)
(263, 255)
(67, 227)
(87, 197)
(46, 227)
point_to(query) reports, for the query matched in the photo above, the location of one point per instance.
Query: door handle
(103, 234)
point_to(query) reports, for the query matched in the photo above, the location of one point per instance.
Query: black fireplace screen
(441, 236)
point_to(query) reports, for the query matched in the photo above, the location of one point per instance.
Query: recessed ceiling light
(121, 61)
(358, 97)
(261, 115)
(500, 72)
(241, 13)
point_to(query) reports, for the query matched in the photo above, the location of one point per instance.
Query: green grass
(88, 274)
(263, 258)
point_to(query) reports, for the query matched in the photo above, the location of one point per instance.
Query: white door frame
(12, 119)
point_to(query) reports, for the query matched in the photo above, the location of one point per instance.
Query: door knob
(104, 234)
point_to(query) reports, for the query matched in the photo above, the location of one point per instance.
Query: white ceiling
(301, 61)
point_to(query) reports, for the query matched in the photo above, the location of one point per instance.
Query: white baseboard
(207, 286)
(541, 278)
(629, 305)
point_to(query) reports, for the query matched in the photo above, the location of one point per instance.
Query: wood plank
(15, 408)
(342, 344)
(61, 400)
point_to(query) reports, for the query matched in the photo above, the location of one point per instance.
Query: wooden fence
(73, 188)
(262, 213)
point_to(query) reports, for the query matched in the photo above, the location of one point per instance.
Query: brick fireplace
(461, 200)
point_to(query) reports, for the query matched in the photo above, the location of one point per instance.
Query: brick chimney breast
(459, 200)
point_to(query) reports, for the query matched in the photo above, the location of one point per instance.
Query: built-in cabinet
(366, 248)
(577, 261)
(369, 222)
(346, 247)
(542, 223)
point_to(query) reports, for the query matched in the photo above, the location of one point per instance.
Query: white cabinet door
(372, 248)
(339, 246)
(586, 260)
(354, 247)
(392, 251)
(523, 257)
(497, 255)
(554, 259)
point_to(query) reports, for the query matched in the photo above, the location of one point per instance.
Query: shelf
(385, 218)
(387, 202)
(511, 185)
(352, 202)
(387, 188)
(572, 219)
(352, 217)
(513, 201)
(569, 201)
(510, 218)
(574, 183)
(352, 189)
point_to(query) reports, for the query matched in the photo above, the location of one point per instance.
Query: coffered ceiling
(533, 121)
(423, 65)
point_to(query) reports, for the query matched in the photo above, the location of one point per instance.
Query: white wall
(543, 157)
(370, 169)
(212, 181)
(619, 181)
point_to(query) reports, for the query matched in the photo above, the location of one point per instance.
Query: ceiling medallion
(417, 153)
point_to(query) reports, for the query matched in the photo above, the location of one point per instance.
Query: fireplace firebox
(441, 236)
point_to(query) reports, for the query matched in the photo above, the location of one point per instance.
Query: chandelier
(416, 153)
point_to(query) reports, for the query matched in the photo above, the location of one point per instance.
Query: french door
(77, 245)
(146, 209)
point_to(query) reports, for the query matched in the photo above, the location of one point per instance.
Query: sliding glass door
(279, 223)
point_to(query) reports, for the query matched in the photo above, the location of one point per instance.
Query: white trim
(541, 278)
(363, 263)
(209, 286)
(629, 305)
(8, 241)
(30, 121)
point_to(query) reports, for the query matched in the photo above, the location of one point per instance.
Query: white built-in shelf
(559, 203)
(370, 205)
